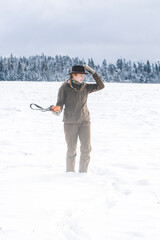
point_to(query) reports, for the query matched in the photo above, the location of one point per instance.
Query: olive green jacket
(75, 101)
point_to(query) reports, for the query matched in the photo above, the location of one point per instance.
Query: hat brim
(77, 72)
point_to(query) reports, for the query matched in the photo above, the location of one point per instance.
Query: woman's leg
(71, 136)
(84, 136)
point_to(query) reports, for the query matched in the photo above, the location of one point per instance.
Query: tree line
(47, 68)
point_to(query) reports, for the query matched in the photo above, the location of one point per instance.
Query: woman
(73, 95)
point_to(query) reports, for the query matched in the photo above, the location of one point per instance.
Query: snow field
(118, 199)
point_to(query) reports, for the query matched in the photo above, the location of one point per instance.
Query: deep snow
(119, 198)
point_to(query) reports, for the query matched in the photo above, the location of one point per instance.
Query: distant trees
(47, 68)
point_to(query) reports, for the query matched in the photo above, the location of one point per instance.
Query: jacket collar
(82, 86)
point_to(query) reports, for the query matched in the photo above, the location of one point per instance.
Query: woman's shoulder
(64, 85)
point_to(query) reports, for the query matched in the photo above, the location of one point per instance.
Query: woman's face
(78, 77)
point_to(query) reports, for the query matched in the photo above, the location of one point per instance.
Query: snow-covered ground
(119, 198)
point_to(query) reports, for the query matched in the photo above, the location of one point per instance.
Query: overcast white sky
(99, 29)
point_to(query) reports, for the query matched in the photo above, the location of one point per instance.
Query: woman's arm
(99, 83)
(61, 97)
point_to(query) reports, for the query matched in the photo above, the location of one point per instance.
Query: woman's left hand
(89, 69)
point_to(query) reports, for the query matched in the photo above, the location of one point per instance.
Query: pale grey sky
(99, 29)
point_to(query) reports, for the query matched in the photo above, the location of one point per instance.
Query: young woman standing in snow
(73, 95)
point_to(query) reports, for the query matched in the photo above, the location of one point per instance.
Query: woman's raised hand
(89, 69)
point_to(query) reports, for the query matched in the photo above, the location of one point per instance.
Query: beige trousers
(72, 132)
